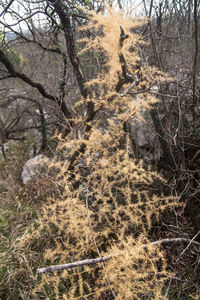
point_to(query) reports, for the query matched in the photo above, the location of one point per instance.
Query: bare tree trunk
(195, 58)
(154, 113)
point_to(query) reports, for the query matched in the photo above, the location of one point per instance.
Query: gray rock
(32, 167)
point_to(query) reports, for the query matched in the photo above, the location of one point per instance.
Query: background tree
(175, 49)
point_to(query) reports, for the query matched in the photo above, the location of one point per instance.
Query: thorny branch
(90, 109)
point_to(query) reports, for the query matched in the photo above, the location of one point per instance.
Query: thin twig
(194, 237)
(167, 290)
(130, 87)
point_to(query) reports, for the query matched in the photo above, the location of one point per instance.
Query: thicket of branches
(93, 75)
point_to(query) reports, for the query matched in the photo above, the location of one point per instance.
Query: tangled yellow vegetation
(106, 206)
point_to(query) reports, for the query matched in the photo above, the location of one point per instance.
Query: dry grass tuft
(19, 207)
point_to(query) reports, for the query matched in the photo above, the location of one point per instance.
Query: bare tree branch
(11, 69)
(62, 12)
(106, 258)
(75, 264)
(6, 8)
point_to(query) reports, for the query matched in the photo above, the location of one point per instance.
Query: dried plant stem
(93, 237)
(102, 259)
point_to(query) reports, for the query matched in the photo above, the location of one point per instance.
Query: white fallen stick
(102, 259)
(74, 264)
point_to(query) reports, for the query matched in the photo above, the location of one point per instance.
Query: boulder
(32, 167)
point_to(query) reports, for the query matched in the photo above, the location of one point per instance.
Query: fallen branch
(75, 264)
(102, 259)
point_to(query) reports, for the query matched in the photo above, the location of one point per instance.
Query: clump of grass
(19, 207)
